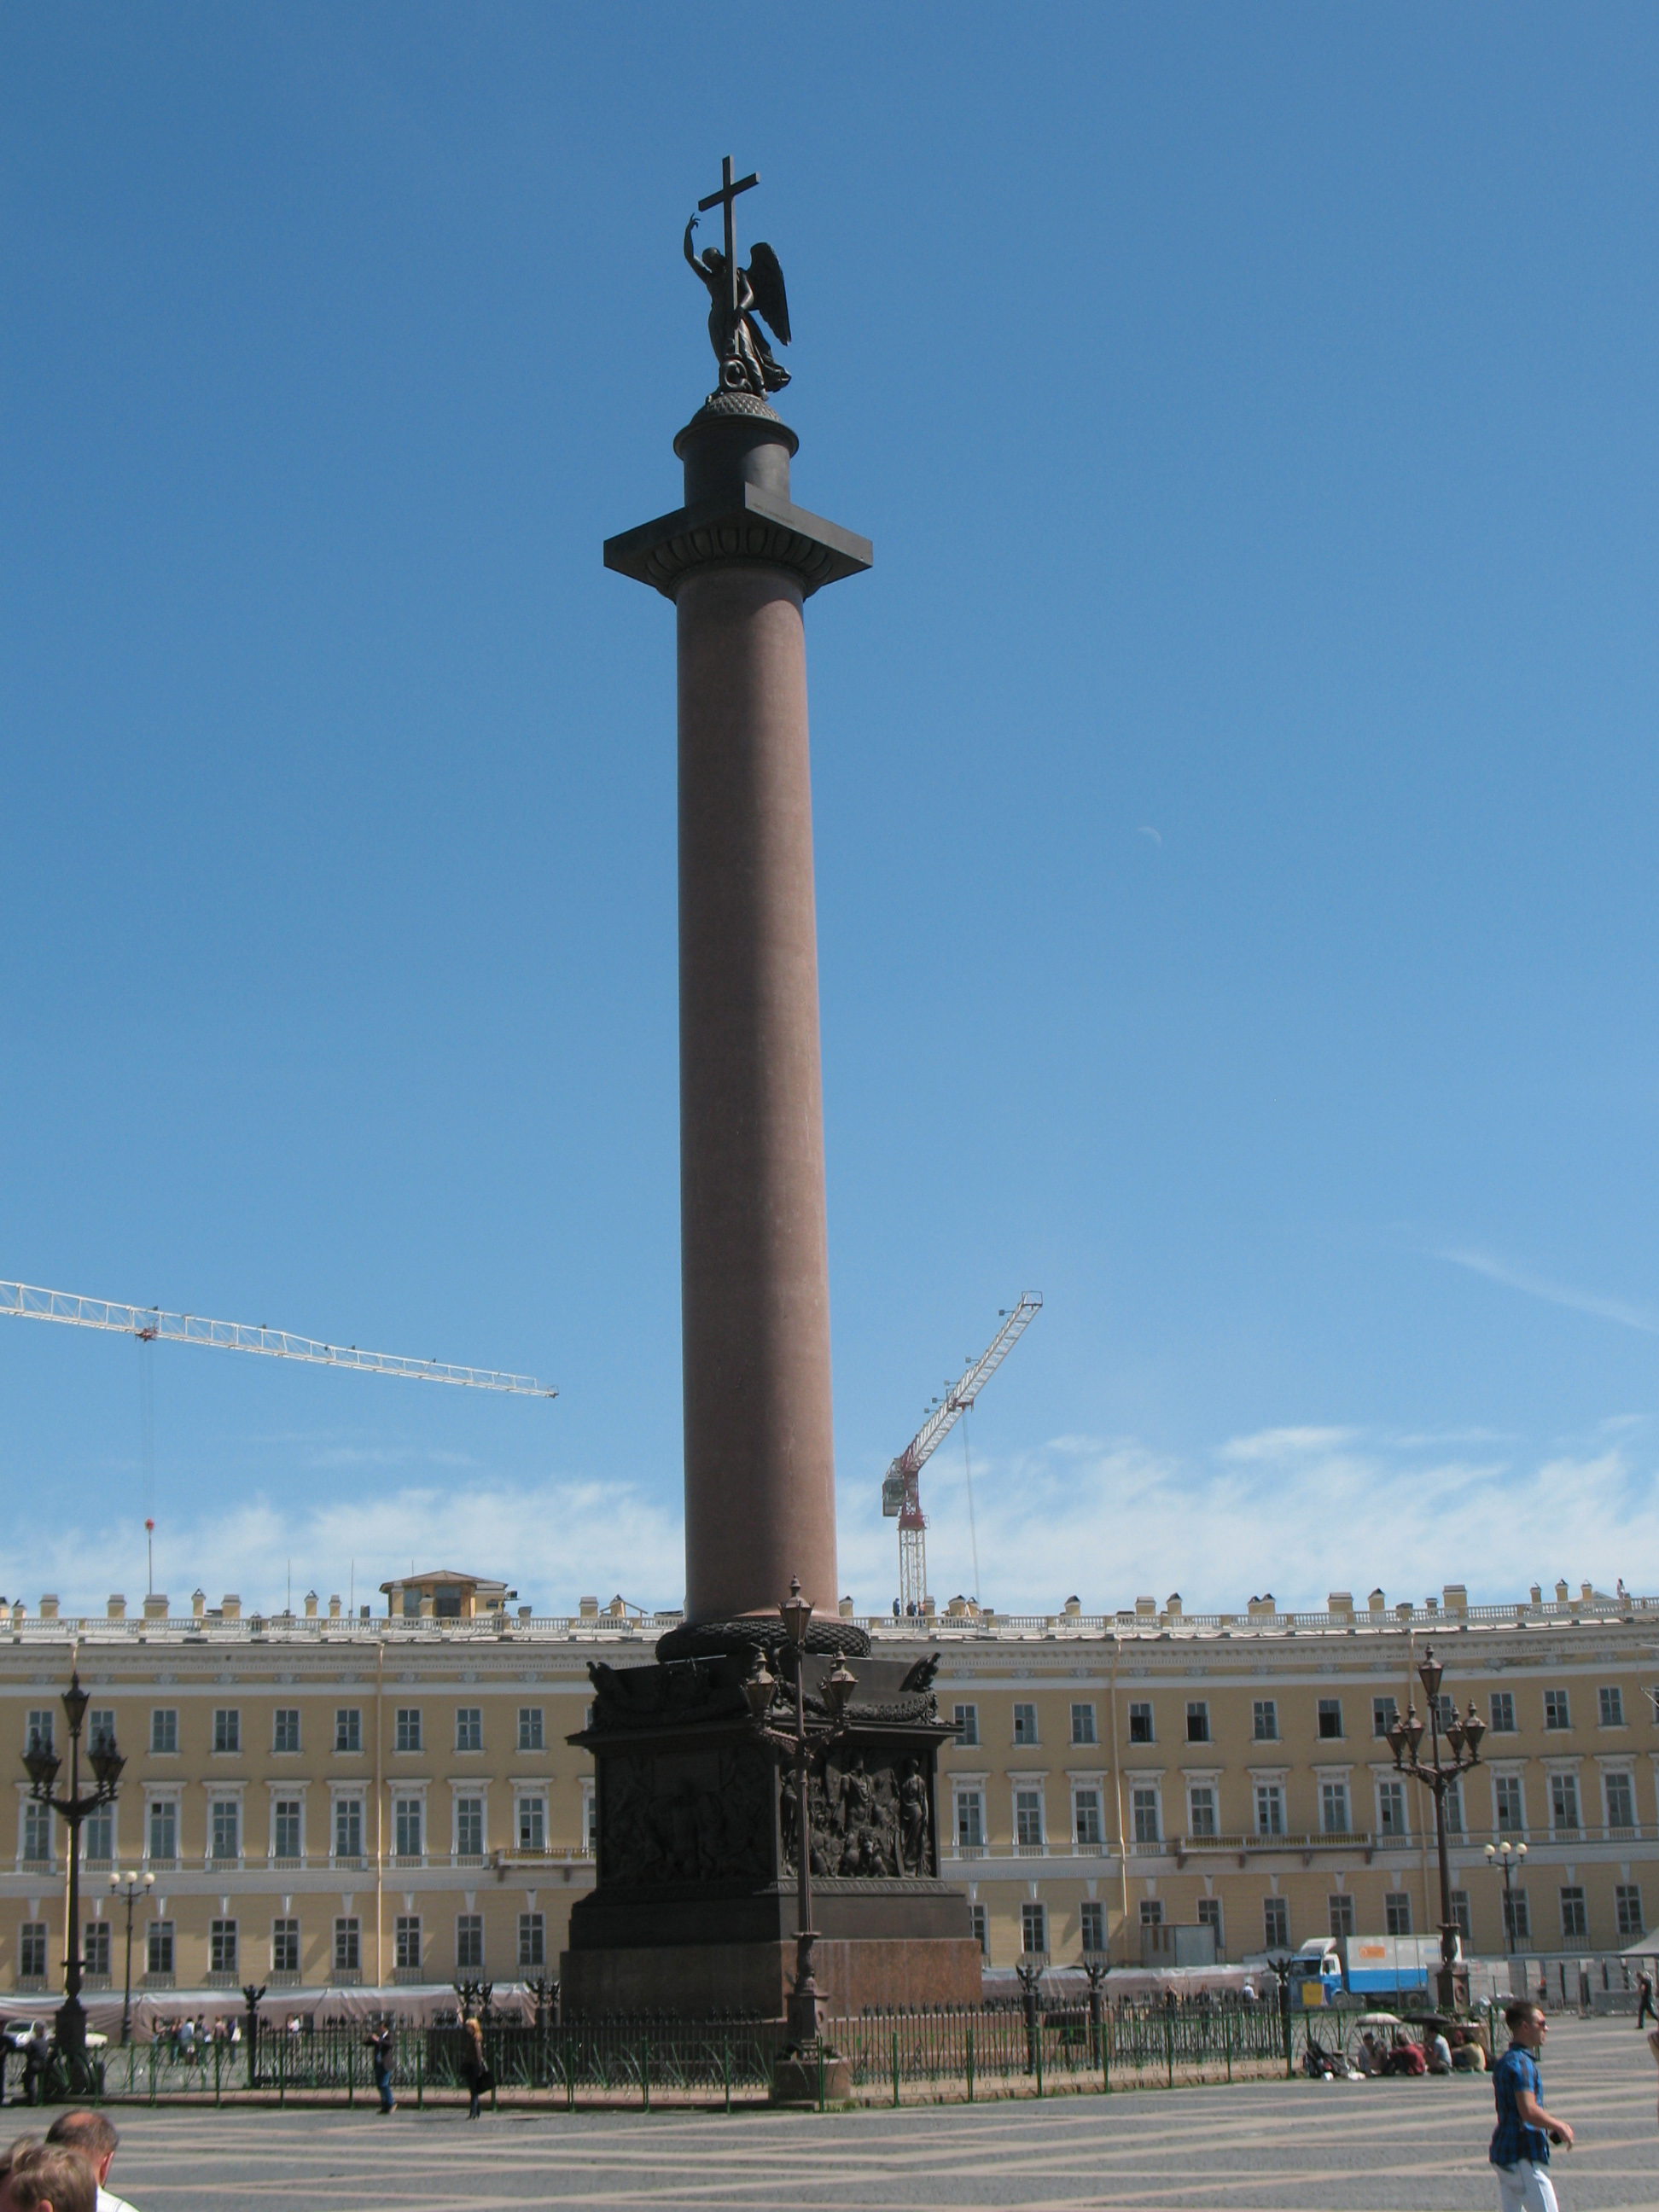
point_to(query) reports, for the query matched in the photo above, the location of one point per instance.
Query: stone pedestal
(695, 1909)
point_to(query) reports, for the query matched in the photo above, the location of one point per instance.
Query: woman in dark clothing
(474, 2071)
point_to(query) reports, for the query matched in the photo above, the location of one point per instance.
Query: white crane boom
(900, 1491)
(26, 1301)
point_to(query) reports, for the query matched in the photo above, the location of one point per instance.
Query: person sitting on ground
(1364, 2054)
(42, 2177)
(1468, 2053)
(1437, 2058)
(91, 2135)
(1406, 2056)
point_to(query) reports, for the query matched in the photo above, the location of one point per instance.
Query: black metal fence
(942, 2055)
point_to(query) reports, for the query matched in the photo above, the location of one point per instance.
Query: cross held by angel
(739, 300)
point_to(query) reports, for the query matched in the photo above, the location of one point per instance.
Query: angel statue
(740, 347)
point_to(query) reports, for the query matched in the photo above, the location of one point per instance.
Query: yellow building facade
(328, 1800)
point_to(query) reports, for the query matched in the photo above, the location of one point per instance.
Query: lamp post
(1437, 1776)
(799, 1742)
(43, 1765)
(1508, 1856)
(129, 1886)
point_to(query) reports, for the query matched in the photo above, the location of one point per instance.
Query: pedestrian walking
(475, 2070)
(1644, 2010)
(380, 2048)
(1521, 2140)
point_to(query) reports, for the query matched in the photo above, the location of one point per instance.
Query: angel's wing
(766, 281)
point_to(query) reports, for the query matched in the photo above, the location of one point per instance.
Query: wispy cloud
(1554, 1293)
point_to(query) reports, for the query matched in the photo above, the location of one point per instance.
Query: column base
(700, 1980)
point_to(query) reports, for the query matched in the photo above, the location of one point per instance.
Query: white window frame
(1509, 1770)
(1028, 1786)
(468, 1788)
(1391, 1839)
(349, 1750)
(529, 1791)
(1556, 1770)
(1084, 1709)
(400, 1792)
(1141, 1779)
(348, 1793)
(165, 1793)
(1025, 1743)
(287, 1791)
(967, 1788)
(225, 1793)
(465, 1716)
(536, 1716)
(25, 1805)
(1090, 1785)
(160, 1714)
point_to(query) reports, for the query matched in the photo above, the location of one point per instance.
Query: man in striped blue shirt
(1521, 2141)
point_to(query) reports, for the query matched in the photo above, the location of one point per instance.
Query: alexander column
(696, 1906)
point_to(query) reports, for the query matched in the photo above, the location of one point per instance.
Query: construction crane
(901, 1488)
(28, 1302)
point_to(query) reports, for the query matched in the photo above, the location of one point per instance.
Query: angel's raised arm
(693, 263)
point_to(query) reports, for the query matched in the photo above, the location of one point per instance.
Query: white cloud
(1554, 1293)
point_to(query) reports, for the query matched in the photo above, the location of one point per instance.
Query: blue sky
(1235, 784)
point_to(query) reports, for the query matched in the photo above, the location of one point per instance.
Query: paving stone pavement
(1258, 2147)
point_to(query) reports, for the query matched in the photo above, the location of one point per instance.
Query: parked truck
(1333, 1968)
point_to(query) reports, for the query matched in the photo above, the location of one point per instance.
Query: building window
(412, 1603)
(1269, 1809)
(101, 1728)
(1334, 1808)
(1140, 1724)
(347, 1727)
(532, 1824)
(1028, 1818)
(1025, 1724)
(1276, 1923)
(100, 1832)
(1511, 1820)
(1460, 1901)
(37, 1730)
(529, 1728)
(591, 1821)
(1556, 1715)
(1621, 1803)
(286, 1737)
(406, 1942)
(32, 1950)
(1330, 1719)
(1209, 1916)
(226, 1828)
(1083, 1723)
(532, 1941)
(348, 1827)
(1518, 1915)
(469, 1728)
(1151, 1913)
(1391, 1808)
(1197, 1721)
(406, 1819)
(1200, 1809)
(37, 1832)
(158, 1948)
(469, 1942)
(1034, 1929)
(348, 1947)
(1384, 1713)
(409, 1727)
(227, 1728)
(1143, 1805)
(1341, 1911)
(164, 1734)
(1085, 1804)
(982, 1930)
(1094, 1928)
(222, 1947)
(95, 1956)
(285, 1947)
(163, 1830)
(970, 1820)
(1454, 1803)
(1575, 1921)
(1564, 1804)
(967, 1721)
(287, 1827)
(1610, 1703)
(1627, 1904)
(469, 1828)
(1397, 1912)
(1264, 1720)
(1443, 1710)
(1503, 1712)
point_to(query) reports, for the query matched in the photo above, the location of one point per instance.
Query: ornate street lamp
(129, 1886)
(42, 1764)
(1508, 1856)
(800, 1742)
(1439, 1775)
